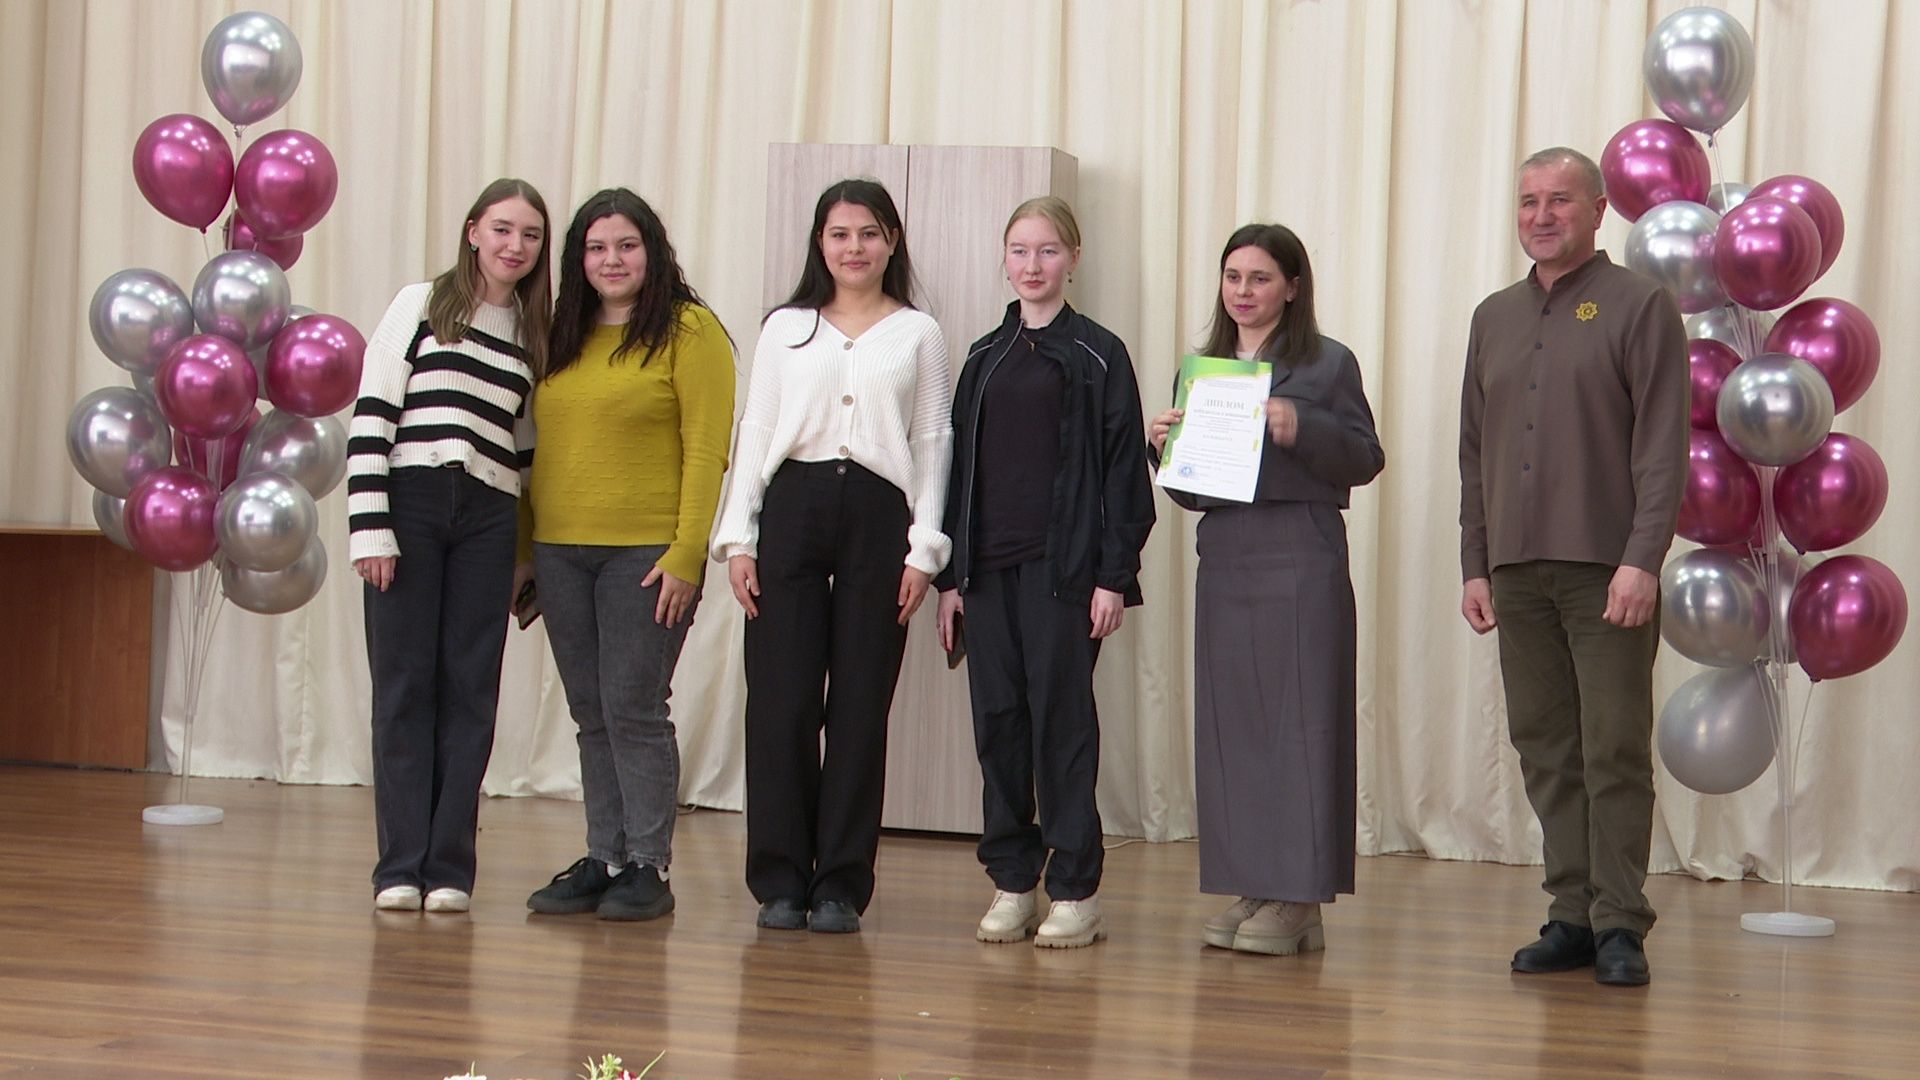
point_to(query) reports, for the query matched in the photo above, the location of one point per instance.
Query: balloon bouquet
(234, 510)
(1764, 463)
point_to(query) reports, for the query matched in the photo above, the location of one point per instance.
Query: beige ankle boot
(1281, 928)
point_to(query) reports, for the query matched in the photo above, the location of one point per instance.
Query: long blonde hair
(458, 291)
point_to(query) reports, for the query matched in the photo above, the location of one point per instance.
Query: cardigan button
(844, 452)
(848, 345)
(846, 399)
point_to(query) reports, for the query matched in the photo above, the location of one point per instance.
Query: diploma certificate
(1215, 448)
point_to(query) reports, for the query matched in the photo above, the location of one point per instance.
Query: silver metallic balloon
(1713, 608)
(263, 522)
(138, 315)
(1699, 67)
(276, 592)
(310, 450)
(1716, 731)
(251, 65)
(115, 436)
(242, 296)
(1741, 329)
(1724, 197)
(111, 515)
(1673, 244)
(1775, 409)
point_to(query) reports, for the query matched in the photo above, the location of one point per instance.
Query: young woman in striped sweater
(438, 447)
(831, 533)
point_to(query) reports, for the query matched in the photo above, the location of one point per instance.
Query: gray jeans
(617, 665)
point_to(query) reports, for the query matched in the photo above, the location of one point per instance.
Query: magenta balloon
(1710, 362)
(1847, 614)
(1813, 197)
(1766, 253)
(285, 183)
(169, 518)
(1650, 162)
(1831, 497)
(197, 454)
(1722, 498)
(241, 237)
(313, 365)
(206, 386)
(1835, 337)
(184, 167)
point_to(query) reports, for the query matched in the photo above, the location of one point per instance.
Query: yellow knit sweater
(633, 452)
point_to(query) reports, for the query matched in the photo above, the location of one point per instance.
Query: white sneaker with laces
(1071, 924)
(397, 898)
(448, 900)
(1011, 917)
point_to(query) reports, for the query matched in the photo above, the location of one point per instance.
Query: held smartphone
(526, 605)
(959, 650)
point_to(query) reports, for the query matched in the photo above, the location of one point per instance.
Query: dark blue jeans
(434, 640)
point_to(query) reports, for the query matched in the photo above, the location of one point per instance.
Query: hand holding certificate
(1215, 449)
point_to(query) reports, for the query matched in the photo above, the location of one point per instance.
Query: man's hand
(1630, 597)
(950, 605)
(1106, 612)
(1476, 603)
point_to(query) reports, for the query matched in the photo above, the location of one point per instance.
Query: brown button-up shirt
(1573, 422)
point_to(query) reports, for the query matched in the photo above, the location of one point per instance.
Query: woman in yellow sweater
(634, 417)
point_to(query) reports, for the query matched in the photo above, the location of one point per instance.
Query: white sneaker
(397, 898)
(1011, 917)
(1071, 924)
(448, 900)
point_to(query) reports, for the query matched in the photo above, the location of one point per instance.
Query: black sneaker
(639, 892)
(573, 891)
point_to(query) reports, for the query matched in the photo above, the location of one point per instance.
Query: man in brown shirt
(1573, 455)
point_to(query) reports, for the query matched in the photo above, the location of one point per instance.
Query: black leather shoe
(834, 917)
(1562, 947)
(782, 914)
(1621, 960)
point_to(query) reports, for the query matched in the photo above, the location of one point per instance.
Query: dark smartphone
(526, 606)
(959, 650)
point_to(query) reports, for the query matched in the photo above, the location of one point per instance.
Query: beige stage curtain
(1385, 133)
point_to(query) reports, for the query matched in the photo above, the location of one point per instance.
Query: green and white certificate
(1215, 448)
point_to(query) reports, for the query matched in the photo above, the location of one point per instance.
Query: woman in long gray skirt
(1274, 615)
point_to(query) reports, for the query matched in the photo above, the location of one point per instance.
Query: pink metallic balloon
(206, 386)
(182, 164)
(1710, 362)
(241, 237)
(285, 183)
(1847, 614)
(1820, 205)
(1835, 337)
(313, 365)
(1831, 497)
(1766, 253)
(169, 518)
(1650, 162)
(200, 454)
(1722, 497)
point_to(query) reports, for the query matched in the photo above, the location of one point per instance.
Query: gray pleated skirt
(1273, 739)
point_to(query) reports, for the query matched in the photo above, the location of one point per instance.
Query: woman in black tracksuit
(1048, 506)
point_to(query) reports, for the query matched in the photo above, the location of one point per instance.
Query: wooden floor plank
(250, 948)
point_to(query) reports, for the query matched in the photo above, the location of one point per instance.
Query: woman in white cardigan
(831, 534)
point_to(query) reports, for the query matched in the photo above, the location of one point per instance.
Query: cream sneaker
(1011, 917)
(397, 898)
(447, 900)
(1281, 928)
(1071, 924)
(1219, 930)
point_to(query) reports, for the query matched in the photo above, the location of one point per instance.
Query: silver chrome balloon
(1741, 329)
(115, 436)
(1724, 197)
(1775, 409)
(311, 450)
(250, 65)
(1716, 731)
(276, 592)
(242, 296)
(138, 315)
(263, 522)
(1673, 244)
(1713, 608)
(1699, 67)
(111, 515)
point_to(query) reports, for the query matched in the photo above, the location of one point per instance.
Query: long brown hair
(458, 291)
(1296, 339)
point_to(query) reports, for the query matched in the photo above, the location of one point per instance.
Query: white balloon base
(1786, 924)
(189, 814)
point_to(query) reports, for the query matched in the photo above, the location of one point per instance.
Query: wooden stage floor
(250, 948)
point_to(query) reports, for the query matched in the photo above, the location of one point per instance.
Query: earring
(473, 247)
